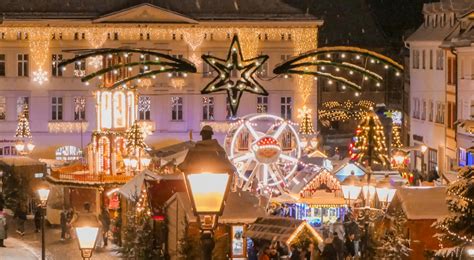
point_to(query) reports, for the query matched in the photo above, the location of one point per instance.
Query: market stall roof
(175, 152)
(285, 198)
(279, 229)
(317, 153)
(301, 179)
(240, 207)
(322, 197)
(134, 186)
(346, 166)
(20, 161)
(423, 202)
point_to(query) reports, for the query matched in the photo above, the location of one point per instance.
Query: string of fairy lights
(343, 111)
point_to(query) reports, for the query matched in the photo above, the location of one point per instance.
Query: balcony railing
(87, 177)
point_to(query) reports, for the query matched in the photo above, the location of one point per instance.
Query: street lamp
(87, 236)
(385, 190)
(467, 252)
(208, 174)
(351, 187)
(368, 189)
(43, 195)
(24, 147)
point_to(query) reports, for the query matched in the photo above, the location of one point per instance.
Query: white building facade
(62, 110)
(436, 87)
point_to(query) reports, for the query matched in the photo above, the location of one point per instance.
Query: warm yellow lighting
(30, 147)
(208, 191)
(19, 147)
(43, 195)
(133, 163)
(87, 237)
(385, 191)
(423, 148)
(351, 187)
(145, 161)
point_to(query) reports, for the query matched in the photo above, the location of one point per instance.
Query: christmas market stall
(421, 206)
(286, 231)
(344, 168)
(242, 208)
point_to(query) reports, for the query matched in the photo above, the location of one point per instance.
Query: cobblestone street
(29, 246)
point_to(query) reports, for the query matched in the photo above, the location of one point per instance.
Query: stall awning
(279, 229)
(241, 207)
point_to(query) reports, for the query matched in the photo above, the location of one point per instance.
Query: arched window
(106, 110)
(104, 154)
(68, 153)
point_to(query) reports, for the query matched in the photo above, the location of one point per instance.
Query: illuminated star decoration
(243, 82)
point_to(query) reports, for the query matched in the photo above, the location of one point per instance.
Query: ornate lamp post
(43, 195)
(351, 188)
(208, 175)
(87, 236)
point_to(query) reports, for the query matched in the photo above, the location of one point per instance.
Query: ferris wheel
(265, 149)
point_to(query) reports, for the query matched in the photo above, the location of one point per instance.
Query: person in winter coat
(37, 219)
(329, 252)
(104, 218)
(63, 221)
(350, 247)
(338, 246)
(3, 227)
(21, 217)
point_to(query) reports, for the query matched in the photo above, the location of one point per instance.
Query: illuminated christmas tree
(306, 127)
(368, 145)
(135, 138)
(23, 128)
(396, 138)
(457, 229)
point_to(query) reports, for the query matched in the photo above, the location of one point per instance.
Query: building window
(8, 151)
(175, 73)
(451, 115)
(416, 59)
(472, 109)
(416, 108)
(176, 108)
(22, 65)
(283, 58)
(208, 108)
(432, 160)
(285, 107)
(451, 71)
(22, 105)
(431, 59)
(57, 71)
(68, 153)
(56, 108)
(2, 65)
(423, 59)
(262, 104)
(423, 110)
(144, 58)
(439, 59)
(144, 108)
(3, 108)
(439, 113)
(80, 68)
(263, 70)
(79, 108)
(207, 70)
(430, 111)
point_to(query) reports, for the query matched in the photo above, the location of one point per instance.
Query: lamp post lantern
(86, 237)
(208, 175)
(43, 195)
(351, 187)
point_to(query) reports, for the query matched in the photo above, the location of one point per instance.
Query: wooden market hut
(284, 230)
(242, 208)
(422, 206)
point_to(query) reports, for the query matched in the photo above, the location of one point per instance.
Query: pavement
(29, 246)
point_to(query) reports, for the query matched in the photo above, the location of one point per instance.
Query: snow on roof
(240, 207)
(322, 197)
(134, 186)
(20, 161)
(430, 33)
(279, 229)
(445, 6)
(423, 202)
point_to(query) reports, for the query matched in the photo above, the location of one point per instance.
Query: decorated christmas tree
(23, 127)
(394, 244)
(306, 126)
(135, 138)
(368, 146)
(457, 229)
(396, 138)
